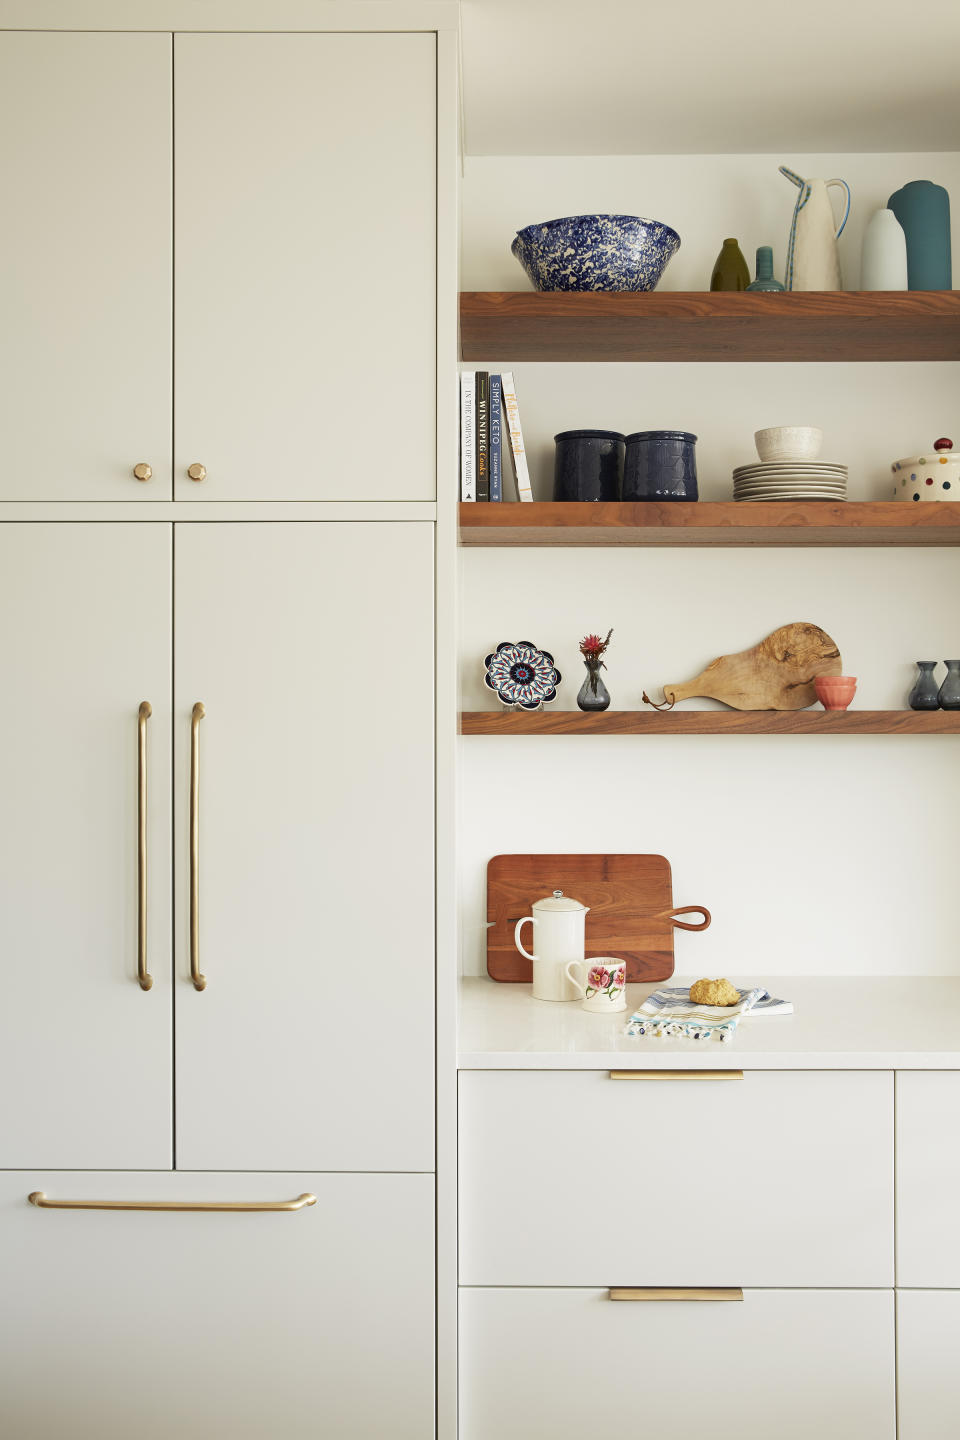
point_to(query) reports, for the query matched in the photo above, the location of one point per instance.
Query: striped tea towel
(670, 1011)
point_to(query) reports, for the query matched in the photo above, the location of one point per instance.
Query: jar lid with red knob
(934, 475)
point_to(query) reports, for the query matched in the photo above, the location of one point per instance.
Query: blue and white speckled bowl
(596, 252)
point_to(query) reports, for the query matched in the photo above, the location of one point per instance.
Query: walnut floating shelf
(700, 325)
(726, 522)
(711, 722)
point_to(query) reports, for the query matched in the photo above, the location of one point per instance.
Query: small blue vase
(923, 210)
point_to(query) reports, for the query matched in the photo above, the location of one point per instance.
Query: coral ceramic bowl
(835, 691)
(596, 252)
(788, 442)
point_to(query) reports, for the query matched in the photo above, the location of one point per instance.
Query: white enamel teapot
(559, 936)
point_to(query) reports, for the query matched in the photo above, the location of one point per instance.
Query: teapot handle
(516, 935)
(846, 213)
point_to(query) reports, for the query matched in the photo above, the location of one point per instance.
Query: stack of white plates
(790, 480)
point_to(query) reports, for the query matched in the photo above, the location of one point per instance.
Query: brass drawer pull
(199, 981)
(40, 1200)
(143, 975)
(676, 1074)
(671, 1292)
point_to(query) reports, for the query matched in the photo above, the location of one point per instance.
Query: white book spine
(512, 412)
(468, 447)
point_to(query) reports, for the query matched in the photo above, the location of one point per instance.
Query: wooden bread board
(630, 899)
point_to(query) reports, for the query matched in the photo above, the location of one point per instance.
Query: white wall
(834, 855)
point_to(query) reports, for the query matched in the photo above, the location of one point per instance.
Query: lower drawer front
(158, 1324)
(928, 1340)
(779, 1179)
(571, 1364)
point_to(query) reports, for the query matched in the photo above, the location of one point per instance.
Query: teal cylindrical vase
(923, 210)
(765, 280)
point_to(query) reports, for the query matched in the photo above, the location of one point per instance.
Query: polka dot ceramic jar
(934, 476)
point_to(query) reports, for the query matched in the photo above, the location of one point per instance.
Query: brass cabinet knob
(197, 472)
(143, 471)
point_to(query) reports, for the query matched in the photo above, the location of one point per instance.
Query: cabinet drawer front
(928, 1179)
(569, 1364)
(928, 1326)
(315, 1322)
(574, 1178)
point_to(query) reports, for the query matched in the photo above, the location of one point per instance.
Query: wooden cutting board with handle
(777, 674)
(631, 917)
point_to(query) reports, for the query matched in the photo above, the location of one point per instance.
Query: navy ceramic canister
(589, 465)
(660, 465)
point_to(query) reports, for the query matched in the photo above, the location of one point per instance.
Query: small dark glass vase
(949, 696)
(925, 693)
(593, 694)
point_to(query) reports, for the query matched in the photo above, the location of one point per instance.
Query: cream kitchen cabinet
(302, 172)
(305, 1323)
(928, 1179)
(313, 875)
(928, 1328)
(781, 1178)
(86, 279)
(310, 647)
(571, 1363)
(85, 1053)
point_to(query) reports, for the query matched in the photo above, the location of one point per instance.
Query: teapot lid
(558, 901)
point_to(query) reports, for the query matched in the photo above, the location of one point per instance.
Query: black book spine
(483, 435)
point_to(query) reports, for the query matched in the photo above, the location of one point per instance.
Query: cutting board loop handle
(687, 910)
(668, 702)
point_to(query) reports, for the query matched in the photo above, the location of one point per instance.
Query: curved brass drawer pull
(676, 1074)
(672, 1292)
(300, 1203)
(144, 977)
(199, 981)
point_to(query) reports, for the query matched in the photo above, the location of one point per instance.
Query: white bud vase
(884, 260)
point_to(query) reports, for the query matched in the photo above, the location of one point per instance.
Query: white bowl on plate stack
(788, 468)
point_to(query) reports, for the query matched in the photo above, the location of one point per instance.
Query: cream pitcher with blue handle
(813, 262)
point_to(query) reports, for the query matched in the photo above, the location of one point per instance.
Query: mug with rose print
(602, 981)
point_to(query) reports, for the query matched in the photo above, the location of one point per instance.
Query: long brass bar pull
(672, 1292)
(43, 1203)
(676, 1074)
(199, 981)
(144, 977)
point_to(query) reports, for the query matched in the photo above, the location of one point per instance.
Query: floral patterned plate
(522, 675)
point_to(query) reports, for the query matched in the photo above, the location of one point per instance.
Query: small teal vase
(949, 696)
(925, 694)
(923, 210)
(765, 280)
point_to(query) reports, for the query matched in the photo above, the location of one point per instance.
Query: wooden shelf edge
(711, 722)
(914, 325)
(711, 522)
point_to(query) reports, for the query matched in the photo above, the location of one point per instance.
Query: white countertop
(853, 1023)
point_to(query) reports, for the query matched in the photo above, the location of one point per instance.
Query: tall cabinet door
(310, 648)
(306, 266)
(85, 284)
(85, 1052)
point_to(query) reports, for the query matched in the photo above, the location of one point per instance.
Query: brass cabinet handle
(670, 1292)
(300, 1203)
(199, 981)
(143, 471)
(143, 975)
(676, 1074)
(197, 471)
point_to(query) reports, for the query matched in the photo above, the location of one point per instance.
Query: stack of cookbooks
(481, 436)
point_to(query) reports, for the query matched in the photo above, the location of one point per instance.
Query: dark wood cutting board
(631, 909)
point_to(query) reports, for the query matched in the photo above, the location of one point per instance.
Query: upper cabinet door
(85, 1052)
(85, 283)
(310, 647)
(306, 266)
